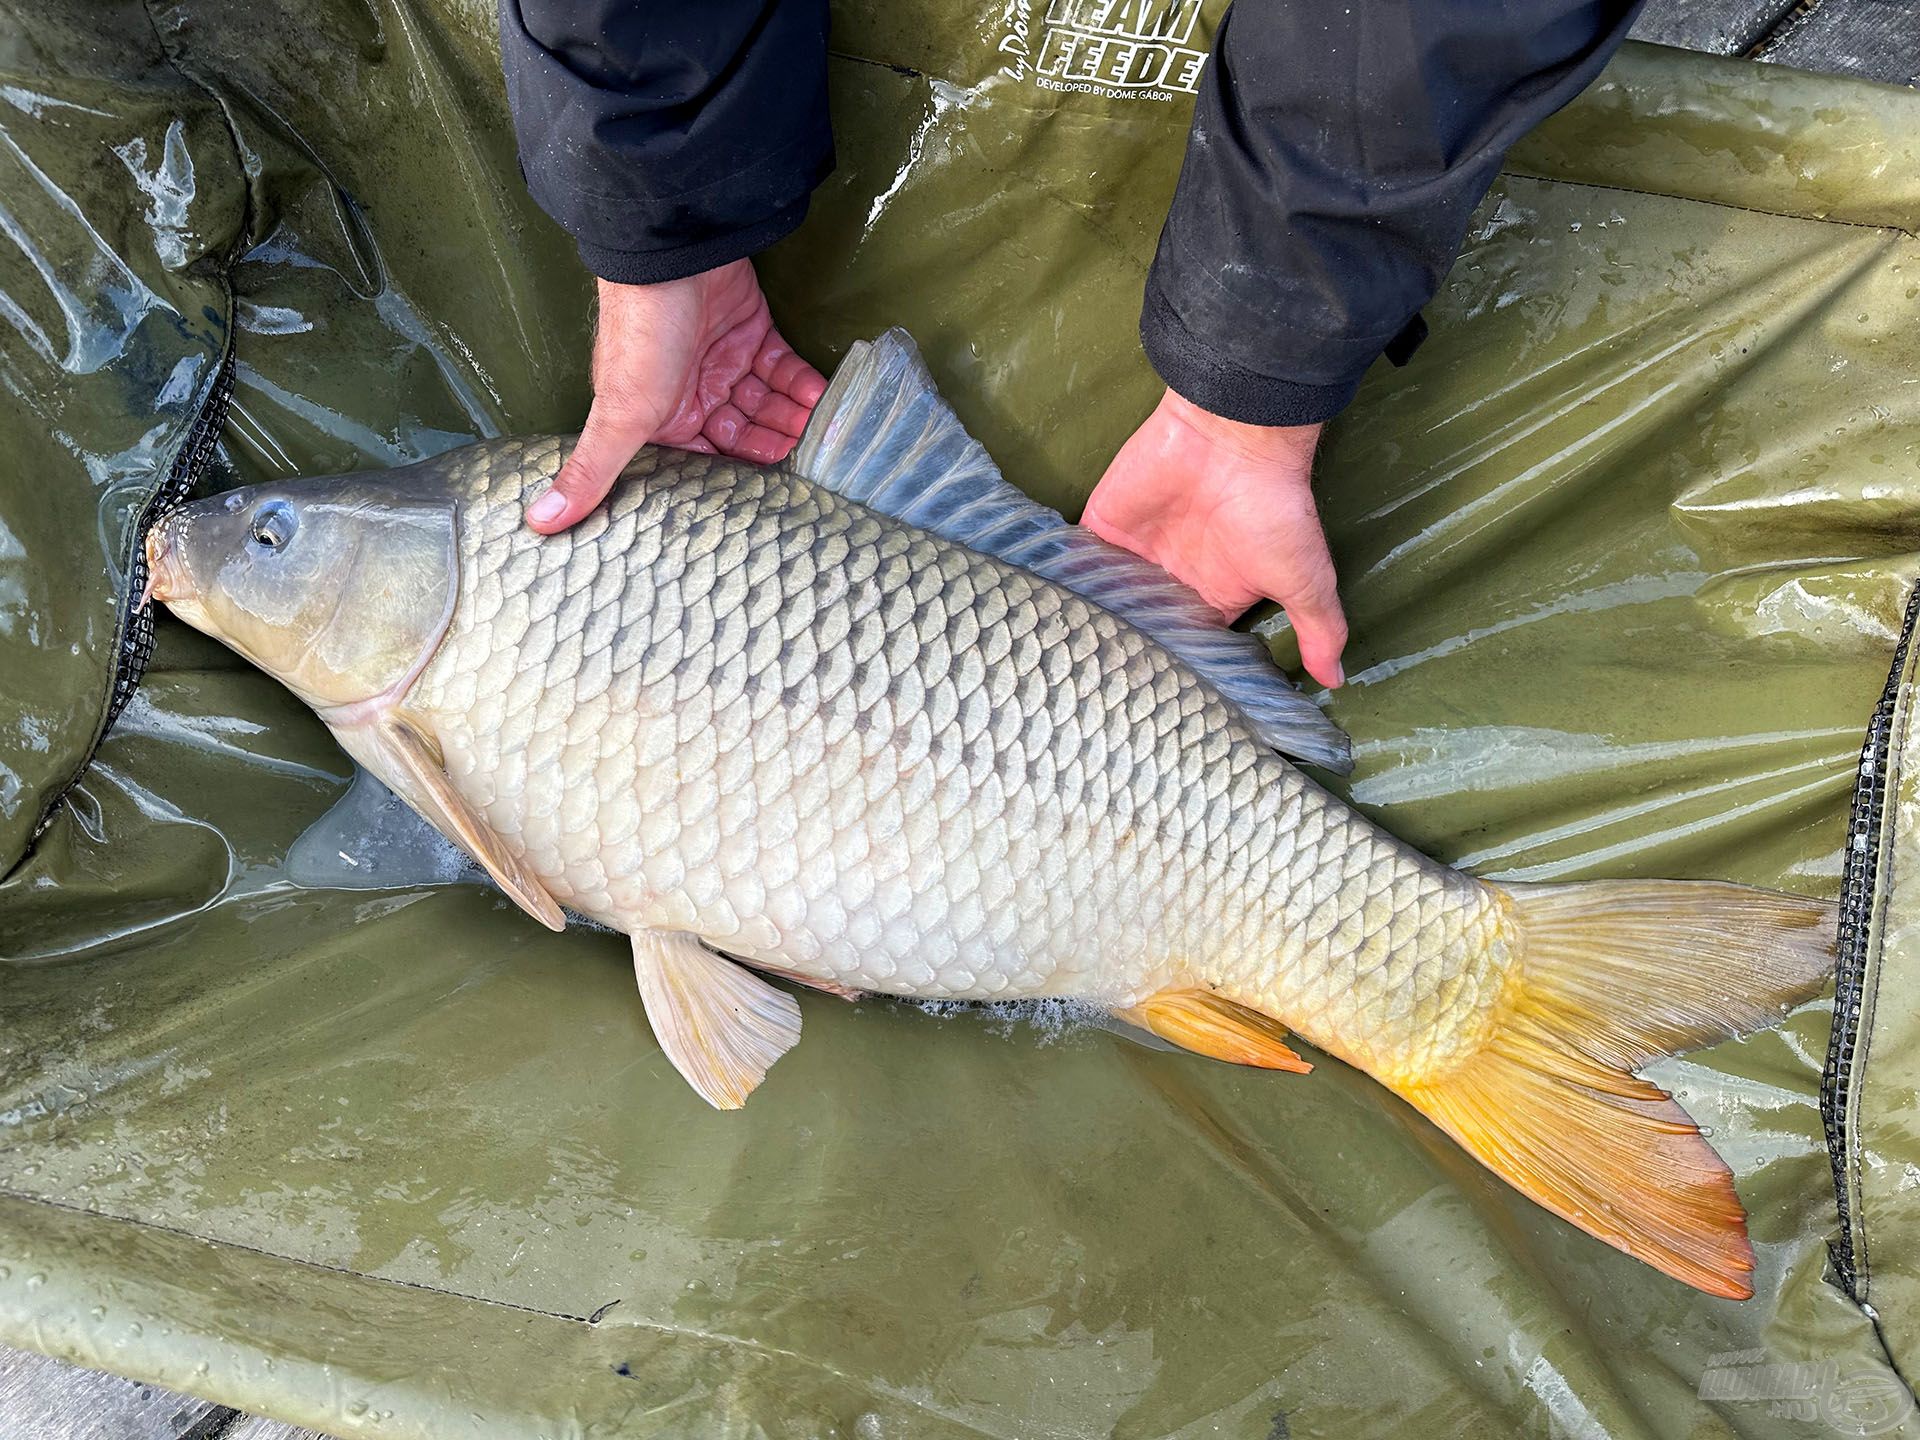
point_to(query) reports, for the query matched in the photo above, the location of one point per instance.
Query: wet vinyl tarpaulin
(1627, 551)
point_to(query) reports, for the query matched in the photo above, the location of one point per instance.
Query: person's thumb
(1309, 592)
(611, 438)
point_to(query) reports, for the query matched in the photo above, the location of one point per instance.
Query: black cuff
(1196, 373)
(652, 267)
(1411, 337)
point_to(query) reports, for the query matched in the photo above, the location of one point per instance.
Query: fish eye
(273, 525)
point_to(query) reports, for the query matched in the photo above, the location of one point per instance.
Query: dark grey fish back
(883, 436)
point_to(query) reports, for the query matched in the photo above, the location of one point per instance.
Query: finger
(776, 412)
(783, 370)
(1108, 512)
(787, 373)
(733, 434)
(749, 392)
(769, 408)
(1310, 594)
(610, 439)
(1095, 518)
(1139, 495)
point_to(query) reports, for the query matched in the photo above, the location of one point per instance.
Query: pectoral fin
(409, 760)
(1210, 1024)
(721, 1025)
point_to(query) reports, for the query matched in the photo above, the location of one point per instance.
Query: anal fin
(825, 987)
(1210, 1024)
(721, 1025)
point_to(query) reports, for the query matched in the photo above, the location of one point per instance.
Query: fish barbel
(874, 722)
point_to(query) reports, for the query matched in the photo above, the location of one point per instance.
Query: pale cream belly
(879, 894)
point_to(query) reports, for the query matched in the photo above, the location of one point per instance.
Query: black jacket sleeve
(673, 136)
(1338, 149)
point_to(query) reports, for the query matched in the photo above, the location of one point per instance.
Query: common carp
(873, 721)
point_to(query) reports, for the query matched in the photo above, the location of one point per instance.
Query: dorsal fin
(882, 435)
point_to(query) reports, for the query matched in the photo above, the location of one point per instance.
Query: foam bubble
(1053, 1020)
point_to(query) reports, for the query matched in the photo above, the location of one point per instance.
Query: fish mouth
(167, 578)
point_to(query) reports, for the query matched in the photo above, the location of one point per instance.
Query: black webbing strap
(1846, 1051)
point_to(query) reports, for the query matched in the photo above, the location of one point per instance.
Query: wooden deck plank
(43, 1399)
(50, 1400)
(1720, 27)
(1874, 39)
(252, 1427)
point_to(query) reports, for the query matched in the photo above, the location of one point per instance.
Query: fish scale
(827, 742)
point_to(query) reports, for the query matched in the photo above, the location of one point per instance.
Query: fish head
(341, 589)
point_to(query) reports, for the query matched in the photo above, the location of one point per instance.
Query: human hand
(694, 363)
(1228, 508)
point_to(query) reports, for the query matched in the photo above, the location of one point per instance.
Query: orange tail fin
(1614, 974)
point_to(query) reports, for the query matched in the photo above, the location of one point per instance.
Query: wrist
(617, 290)
(1288, 445)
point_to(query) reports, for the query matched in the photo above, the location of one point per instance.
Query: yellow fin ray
(721, 1025)
(1611, 975)
(1211, 1024)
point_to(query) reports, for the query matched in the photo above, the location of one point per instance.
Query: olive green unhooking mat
(1626, 551)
